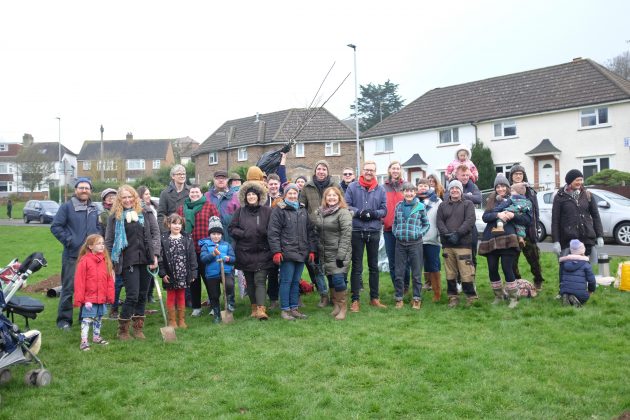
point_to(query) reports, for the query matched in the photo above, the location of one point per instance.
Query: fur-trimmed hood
(256, 185)
(465, 148)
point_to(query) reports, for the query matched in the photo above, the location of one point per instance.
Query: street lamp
(356, 108)
(59, 168)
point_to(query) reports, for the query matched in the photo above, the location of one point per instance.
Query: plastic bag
(270, 161)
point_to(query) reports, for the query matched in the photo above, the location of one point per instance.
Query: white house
(549, 120)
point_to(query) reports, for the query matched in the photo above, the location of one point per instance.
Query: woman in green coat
(334, 225)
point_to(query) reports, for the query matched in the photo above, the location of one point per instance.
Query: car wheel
(42, 220)
(26, 219)
(622, 233)
(541, 232)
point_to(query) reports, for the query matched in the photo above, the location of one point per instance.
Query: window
(299, 150)
(135, 164)
(4, 147)
(449, 136)
(591, 166)
(87, 165)
(242, 154)
(156, 164)
(505, 129)
(110, 165)
(6, 186)
(385, 145)
(592, 117)
(213, 159)
(503, 169)
(4, 168)
(332, 148)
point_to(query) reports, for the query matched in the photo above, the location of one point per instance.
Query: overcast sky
(181, 68)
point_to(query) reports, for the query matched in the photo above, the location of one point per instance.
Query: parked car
(42, 210)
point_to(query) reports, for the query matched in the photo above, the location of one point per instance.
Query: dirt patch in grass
(44, 285)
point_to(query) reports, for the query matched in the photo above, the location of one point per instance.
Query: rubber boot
(138, 325)
(336, 307)
(513, 294)
(340, 300)
(436, 285)
(254, 311)
(499, 295)
(181, 312)
(356, 306)
(217, 314)
(123, 329)
(261, 313)
(172, 317)
(323, 301)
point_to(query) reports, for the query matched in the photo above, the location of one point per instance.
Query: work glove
(557, 248)
(277, 258)
(366, 214)
(600, 242)
(88, 305)
(453, 238)
(339, 263)
(311, 257)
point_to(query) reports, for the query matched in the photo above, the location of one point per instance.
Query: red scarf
(367, 185)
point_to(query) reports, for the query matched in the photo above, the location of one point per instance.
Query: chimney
(129, 136)
(261, 131)
(27, 140)
(257, 117)
(577, 59)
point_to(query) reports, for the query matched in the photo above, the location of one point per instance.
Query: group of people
(266, 229)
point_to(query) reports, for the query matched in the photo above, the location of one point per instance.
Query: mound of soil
(44, 285)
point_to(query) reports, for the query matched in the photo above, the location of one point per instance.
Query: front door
(546, 172)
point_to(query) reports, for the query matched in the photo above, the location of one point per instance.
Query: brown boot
(172, 317)
(436, 285)
(340, 300)
(123, 329)
(261, 313)
(377, 303)
(323, 301)
(453, 301)
(138, 325)
(416, 304)
(336, 307)
(254, 311)
(181, 312)
(355, 307)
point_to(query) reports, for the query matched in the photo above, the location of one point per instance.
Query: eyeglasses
(84, 188)
(180, 174)
(348, 174)
(369, 170)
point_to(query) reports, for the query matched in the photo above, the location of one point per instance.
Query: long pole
(356, 108)
(59, 168)
(102, 162)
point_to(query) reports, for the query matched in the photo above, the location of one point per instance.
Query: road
(20, 222)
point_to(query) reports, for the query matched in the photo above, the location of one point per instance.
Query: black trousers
(364, 240)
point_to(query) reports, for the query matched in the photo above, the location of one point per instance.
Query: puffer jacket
(571, 219)
(335, 237)
(508, 240)
(393, 196)
(412, 228)
(456, 216)
(359, 198)
(166, 265)
(92, 282)
(248, 230)
(312, 199)
(531, 195)
(213, 267)
(291, 233)
(431, 203)
(576, 276)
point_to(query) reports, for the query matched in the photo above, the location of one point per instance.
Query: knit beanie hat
(106, 192)
(408, 186)
(321, 162)
(214, 225)
(519, 188)
(302, 177)
(254, 173)
(572, 175)
(291, 186)
(501, 179)
(456, 184)
(82, 179)
(577, 247)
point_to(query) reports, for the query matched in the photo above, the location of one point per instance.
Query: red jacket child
(92, 282)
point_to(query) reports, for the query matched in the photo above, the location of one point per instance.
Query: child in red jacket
(93, 288)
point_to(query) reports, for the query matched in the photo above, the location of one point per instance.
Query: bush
(482, 158)
(609, 177)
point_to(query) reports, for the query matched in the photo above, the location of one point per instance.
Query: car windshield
(618, 199)
(50, 206)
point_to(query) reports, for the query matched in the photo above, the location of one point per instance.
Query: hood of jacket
(574, 265)
(465, 148)
(518, 168)
(262, 193)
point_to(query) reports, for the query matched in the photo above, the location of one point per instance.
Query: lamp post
(356, 108)
(102, 163)
(59, 168)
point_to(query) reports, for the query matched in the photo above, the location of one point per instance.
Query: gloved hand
(88, 305)
(339, 263)
(600, 242)
(453, 238)
(216, 251)
(557, 248)
(226, 259)
(311, 257)
(277, 258)
(366, 215)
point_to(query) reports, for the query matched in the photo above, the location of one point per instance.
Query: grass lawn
(540, 360)
(16, 212)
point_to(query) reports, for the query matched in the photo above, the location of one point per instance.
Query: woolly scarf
(328, 210)
(321, 185)
(294, 204)
(428, 198)
(367, 185)
(191, 208)
(120, 235)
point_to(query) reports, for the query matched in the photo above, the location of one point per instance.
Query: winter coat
(73, 223)
(248, 230)
(576, 276)
(335, 237)
(291, 233)
(456, 216)
(412, 228)
(471, 193)
(506, 241)
(166, 265)
(200, 230)
(571, 219)
(312, 198)
(359, 198)
(451, 168)
(393, 196)
(431, 204)
(170, 201)
(227, 204)
(531, 195)
(92, 282)
(143, 244)
(211, 261)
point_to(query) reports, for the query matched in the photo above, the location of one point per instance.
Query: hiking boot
(323, 301)
(399, 304)
(416, 304)
(453, 301)
(138, 325)
(123, 329)
(297, 314)
(573, 300)
(254, 311)
(261, 313)
(377, 303)
(355, 307)
(470, 300)
(286, 315)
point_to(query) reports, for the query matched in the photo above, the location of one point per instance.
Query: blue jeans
(431, 254)
(290, 274)
(338, 282)
(390, 250)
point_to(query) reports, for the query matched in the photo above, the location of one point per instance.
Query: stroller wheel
(29, 377)
(5, 376)
(43, 377)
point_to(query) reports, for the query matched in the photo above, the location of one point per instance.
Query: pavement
(20, 222)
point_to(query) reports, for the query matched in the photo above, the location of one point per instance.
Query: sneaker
(399, 304)
(286, 315)
(100, 341)
(196, 312)
(565, 300)
(85, 346)
(416, 304)
(297, 314)
(573, 300)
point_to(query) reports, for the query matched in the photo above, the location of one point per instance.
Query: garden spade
(168, 333)
(226, 316)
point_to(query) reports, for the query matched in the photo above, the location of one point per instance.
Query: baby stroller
(18, 347)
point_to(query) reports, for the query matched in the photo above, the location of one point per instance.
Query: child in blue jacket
(577, 281)
(214, 250)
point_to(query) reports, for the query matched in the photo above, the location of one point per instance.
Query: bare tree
(34, 167)
(620, 64)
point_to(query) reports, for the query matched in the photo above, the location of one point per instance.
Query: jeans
(118, 285)
(361, 240)
(272, 283)
(507, 260)
(256, 282)
(136, 280)
(338, 282)
(315, 273)
(431, 257)
(64, 311)
(408, 255)
(290, 274)
(390, 250)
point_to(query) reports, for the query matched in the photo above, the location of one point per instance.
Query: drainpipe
(474, 124)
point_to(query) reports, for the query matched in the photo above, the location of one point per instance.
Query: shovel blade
(168, 334)
(227, 317)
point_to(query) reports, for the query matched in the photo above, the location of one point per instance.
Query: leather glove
(600, 242)
(311, 257)
(277, 258)
(88, 305)
(557, 248)
(366, 214)
(339, 263)
(453, 238)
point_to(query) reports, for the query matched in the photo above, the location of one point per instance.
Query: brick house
(241, 142)
(125, 160)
